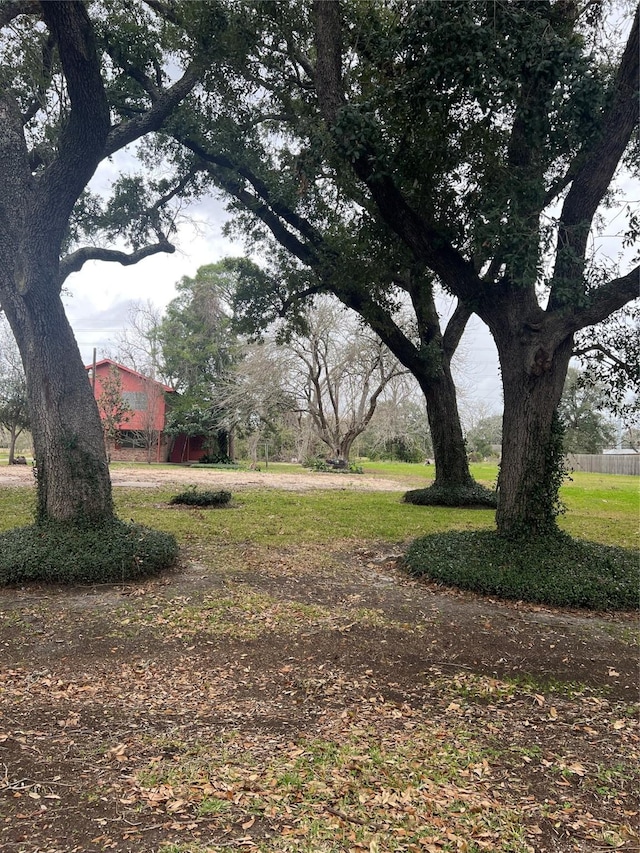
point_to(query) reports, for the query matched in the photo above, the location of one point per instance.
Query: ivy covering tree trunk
(531, 469)
(71, 464)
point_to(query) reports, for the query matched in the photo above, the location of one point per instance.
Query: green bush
(473, 496)
(554, 569)
(216, 459)
(327, 466)
(63, 552)
(193, 497)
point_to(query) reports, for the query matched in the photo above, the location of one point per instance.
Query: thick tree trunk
(449, 449)
(529, 476)
(71, 463)
(343, 450)
(13, 437)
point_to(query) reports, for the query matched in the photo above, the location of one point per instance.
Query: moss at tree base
(555, 570)
(455, 496)
(63, 552)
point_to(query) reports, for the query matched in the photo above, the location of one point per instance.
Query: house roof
(126, 369)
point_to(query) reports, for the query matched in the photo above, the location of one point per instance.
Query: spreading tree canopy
(258, 136)
(70, 97)
(488, 136)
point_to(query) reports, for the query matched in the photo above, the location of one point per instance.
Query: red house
(140, 434)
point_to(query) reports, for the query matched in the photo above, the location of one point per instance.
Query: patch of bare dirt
(111, 695)
(154, 476)
(181, 711)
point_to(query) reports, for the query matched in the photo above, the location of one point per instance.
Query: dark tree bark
(13, 437)
(449, 448)
(533, 369)
(73, 478)
(71, 463)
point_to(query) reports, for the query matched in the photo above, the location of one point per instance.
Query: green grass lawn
(601, 508)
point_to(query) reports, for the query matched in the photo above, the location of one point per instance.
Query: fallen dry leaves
(192, 721)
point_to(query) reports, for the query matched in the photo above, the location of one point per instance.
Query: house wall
(187, 448)
(144, 420)
(139, 419)
(159, 453)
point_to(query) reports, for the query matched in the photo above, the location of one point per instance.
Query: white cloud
(98, 298)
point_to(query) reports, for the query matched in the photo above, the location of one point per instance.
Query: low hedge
(469, 496)
(555, 570)
(62, 552)
(193, 497)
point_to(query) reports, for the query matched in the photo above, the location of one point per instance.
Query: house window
(137, 401)
(131, 438)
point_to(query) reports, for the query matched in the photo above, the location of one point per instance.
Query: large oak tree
(467, 123)
(65, 106)
(264, 144)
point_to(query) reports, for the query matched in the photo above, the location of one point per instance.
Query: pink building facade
(141, 436)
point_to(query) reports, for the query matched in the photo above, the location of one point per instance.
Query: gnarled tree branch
(594, 177)
(76, 260)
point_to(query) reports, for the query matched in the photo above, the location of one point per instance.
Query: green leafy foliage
(216, 459)
(548, 493)
(475, 495)
(57, 552)
(197, 342)
(485, 437)
(194, 497)
(554, 569)
(586, 430)
(610, 357)
(333, 466)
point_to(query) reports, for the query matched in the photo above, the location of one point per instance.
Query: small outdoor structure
(188, 448)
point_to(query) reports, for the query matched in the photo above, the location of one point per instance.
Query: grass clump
(555, 570)
(193, 497)
(457, 496)
(64, 552)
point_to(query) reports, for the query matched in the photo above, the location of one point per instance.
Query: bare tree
(138, 344)
(339, 371)
(400, 427)
(149, 433)
(253, 397)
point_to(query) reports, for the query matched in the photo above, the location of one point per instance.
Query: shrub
(316, 464)
(216, 459)
(472, 496)
(63, 552)
(193, 497)
(332, 466)
(553, 569)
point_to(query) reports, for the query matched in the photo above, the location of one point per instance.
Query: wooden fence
(623, 463)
